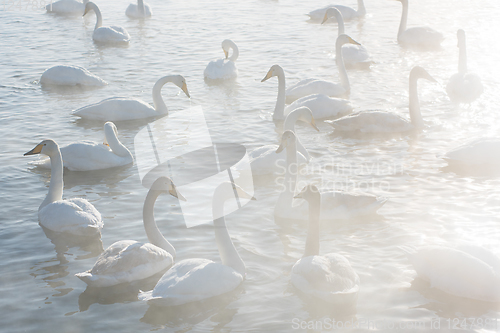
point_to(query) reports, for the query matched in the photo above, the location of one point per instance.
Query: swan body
(63, 75)
(264, 160)
(313, 86)
(106, 35)
(141, 10)
(223, 69)
(322, 106)
(347, 12)
(127, 261)
(88, 155)
(463, 86)
(74, 216)
(463, 271)
(386, 122)
(329, 277)
(479, 152)
(423, 38)
(193, 280)
(354, 56)
(122, 108)
(334, 204)
(66, 7)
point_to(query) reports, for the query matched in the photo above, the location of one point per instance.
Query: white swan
(313, 86)
(128, 260)
(386, 122)
(482, 152)
(223, 69)
(123, 108)
(106, 35)
(75, 216)
(140, 10)
(466, 271)
(347, 12)
(423, 38)
(264, 160)
(193, 280)
(329, 277)
(63, 75)
(66, 7)
(89, 155)
(463, 86)
(322, 106)
(354, 56)
(334, 204)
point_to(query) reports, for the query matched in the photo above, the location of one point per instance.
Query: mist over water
(428, 202)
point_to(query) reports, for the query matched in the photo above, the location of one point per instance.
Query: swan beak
(173, 192)
(242, 193)
(281, 147)
(325, 18)
(226, 53)
(299, 195)
(313, 124)
(185, 89)
(352, 41)
(104, 143)
(35, 150)
(268, 75)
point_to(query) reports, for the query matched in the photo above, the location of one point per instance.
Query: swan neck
(286, 197)
(289, 125)
(235, 54)
(312, 241)
(462, 57)
(414, 104)
(279, 109)
(116, 146)
(154, 235)
(158, 102)
(404, 18)
(56, 180)
(98, 15)
(361, 8)
(344, 79)
(140, 7)
(228, 254)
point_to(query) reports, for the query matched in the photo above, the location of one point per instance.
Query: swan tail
(86, 277)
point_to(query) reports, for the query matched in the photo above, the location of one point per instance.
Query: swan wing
(322, 106)
(113, 34)
(264, 160)
(75, 216)
(117, 109)
(421, 37)
(464, 87)
(456, 272)
(221, 69)
(313, 86)
(70, 76)
(483, 151)
(354, 54)
(372, 122)
(133, 11)
(348, 13)
(66, 7)
(193, 280)
(325, 277)
(126, 261)
(88, 155)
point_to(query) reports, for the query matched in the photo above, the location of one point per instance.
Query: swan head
(345, 39)
(275, 70)
(165, 184)
(46, 147)
(287, 139)
(418, 72)
(330, 12)
(309, 193)
(180, 82)
(460, 37)
(226, 45)
(88, 7)
(227, 190)
(305, 115)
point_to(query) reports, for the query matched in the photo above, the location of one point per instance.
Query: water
(427, 203)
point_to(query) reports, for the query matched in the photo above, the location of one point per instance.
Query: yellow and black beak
(185, 89)
(281, 147)
(173, 191)
(313, 124)
(226, 53)
(35, 150)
